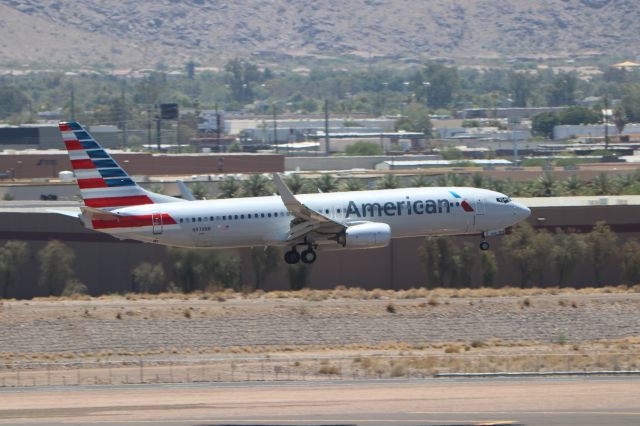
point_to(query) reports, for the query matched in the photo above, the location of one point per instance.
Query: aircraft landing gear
(292, 256)
(308, 256)
(484, 245)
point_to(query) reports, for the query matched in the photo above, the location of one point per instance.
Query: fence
(301, 368)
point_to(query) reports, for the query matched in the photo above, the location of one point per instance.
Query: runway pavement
(560, 401)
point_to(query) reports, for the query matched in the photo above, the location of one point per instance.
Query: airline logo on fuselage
(408, 207)
(398, 208)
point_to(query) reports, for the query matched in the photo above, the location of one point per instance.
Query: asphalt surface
(548, 401)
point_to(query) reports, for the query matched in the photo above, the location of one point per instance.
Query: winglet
(289, 200)
(185, 191)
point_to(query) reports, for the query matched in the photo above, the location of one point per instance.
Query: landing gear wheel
(292, 257)
(484, 245)
(308, 256)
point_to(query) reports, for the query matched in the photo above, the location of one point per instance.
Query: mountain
(144, 33)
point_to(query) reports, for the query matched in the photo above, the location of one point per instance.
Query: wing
(306, 219)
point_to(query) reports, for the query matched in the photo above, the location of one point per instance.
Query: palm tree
(296, 183)
(420, 181)
(229, 187)
(388, 181)
(256, 186)
(353, 184)
(545, 186)
(573, 185)
(327, 183)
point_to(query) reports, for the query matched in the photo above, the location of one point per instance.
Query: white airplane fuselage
(265, 221)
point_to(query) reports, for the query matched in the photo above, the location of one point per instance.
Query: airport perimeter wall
(104, 263)
(47, 165)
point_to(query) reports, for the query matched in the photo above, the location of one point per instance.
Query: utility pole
(149, 126)
(123, 114)
(606, 121)
(218, 129)
(275, 127)
(158, 136)
(327, 143)
(73, 104)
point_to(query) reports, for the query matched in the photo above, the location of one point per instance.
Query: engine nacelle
(366, 235)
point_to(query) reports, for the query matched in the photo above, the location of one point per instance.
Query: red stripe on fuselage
(73, 145)
(82, 164)
(131, 222)
(134, 200)
(92, 183)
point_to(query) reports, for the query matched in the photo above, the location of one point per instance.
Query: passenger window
(269, 214)
(262, 214)
(241, 216)
(211, 218)
(199, 219)
(193, 219)
(181, 220)
(235, 217)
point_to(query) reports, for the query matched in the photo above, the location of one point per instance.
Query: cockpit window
(503, 200)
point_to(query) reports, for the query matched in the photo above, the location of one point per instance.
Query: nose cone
(521, 211)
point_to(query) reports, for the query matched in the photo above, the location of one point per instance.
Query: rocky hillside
(145, 32)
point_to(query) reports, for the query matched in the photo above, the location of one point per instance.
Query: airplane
(116, 205)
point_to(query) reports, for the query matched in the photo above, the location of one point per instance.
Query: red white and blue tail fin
(103, 183)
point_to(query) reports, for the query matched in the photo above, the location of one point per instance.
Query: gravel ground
(118, 324)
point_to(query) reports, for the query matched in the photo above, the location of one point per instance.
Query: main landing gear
(484, 244)
(306, 256)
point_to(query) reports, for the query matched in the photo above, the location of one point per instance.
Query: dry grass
(343, 292)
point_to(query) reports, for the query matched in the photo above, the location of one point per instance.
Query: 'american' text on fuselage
(396, 208)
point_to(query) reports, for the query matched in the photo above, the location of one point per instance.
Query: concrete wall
(345, 163)
(44, 165)
(105, 264)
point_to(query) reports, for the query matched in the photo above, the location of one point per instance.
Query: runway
(561, 401)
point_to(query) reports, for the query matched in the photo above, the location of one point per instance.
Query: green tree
(630, 103)
(229, 187)
(12, 101)
(420, 181)
(149, 278)
(443, 83)
(299, 275)
(256, 186)
(631, 262)
(199, 190)
(13, 255)
(489, 267)
(566, 251)
(541, 259)
(74, 287)
(264, 261)
(601, 248)
(352, 184)
(579, 115)
(520, 84)
(519, 247)
(388, 181)
(415, 119)
(562, 90)
(430, 258)
(364, 148)
(573, 185)
(326, 183)
(542, 124)
(546, 186)
(56, 267)
(296, 183)
(202, 269)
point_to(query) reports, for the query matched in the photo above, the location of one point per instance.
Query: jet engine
(366, 235)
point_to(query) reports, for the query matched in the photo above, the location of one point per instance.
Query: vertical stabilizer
(103, 183)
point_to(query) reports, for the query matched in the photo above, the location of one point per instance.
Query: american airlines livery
(115, 204)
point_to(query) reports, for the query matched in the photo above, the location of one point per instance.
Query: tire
(308, 256)
(484, 245)
(292, 257)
